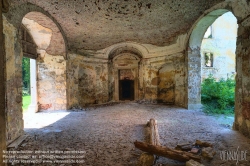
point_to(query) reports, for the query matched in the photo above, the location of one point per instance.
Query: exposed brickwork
(51, 83)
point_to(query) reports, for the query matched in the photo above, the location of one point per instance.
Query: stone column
(194, 79)
(33, 87)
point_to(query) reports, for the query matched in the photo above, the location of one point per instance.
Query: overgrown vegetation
(218, 96)
(26, 83)
(26, 76)
(26, 103)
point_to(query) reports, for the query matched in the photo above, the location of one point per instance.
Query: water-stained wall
(168, 74)
(127, 74)
(166, 85)
(13, 82)
(156, 80)
(87, 81)
(162, 79)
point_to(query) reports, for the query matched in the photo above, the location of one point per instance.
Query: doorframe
(117, 86)
(119, 82)
(119, 64)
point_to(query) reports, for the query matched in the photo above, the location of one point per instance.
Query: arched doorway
(125, 69)
(50, 62)
(48, 51)
(242, 99)
(194, 58)
(218, 68)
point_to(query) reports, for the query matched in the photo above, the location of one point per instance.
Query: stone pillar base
(33, 108)
(194, 106)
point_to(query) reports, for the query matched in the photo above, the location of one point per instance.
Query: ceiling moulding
(146, 50)
(73, 56)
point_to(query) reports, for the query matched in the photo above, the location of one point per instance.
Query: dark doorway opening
(126, 88)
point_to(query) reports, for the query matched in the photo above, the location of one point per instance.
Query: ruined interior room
(101, 70)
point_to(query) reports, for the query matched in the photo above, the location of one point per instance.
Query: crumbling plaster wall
(92, 80)
(187, 75)
(142, 21)
(87, 81)
(13, 81)
(154, 84)
(51, 82)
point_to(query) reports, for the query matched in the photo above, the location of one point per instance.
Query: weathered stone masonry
(51, 82)
(13, 82)
(76, 77)
(87, 81)
(241, 11)
(242, 104)
(93, 81)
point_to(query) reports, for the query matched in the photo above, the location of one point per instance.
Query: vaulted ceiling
(97, 24)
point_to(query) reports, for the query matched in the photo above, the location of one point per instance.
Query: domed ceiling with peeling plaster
(97, 24)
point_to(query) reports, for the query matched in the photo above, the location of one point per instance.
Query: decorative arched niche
(125, 69)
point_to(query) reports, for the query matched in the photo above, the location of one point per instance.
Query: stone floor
(107, 133)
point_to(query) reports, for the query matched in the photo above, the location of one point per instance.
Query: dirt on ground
(106, 134)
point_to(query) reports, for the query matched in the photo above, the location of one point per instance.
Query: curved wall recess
(166, 84)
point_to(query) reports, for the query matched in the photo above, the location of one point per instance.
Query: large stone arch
(51, 63)
(53, 50)
(12, 25)
(17, 13)
(194, 57)
(241, 11)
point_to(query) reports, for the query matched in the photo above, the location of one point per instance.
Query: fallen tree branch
(166, 152)
(203, 144)
(148, 159)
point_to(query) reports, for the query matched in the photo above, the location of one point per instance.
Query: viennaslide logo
(234, 155)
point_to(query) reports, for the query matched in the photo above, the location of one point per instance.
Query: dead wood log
(184, 147)
(203, 143)
(166, 152)
(154, 134)
(147, 159)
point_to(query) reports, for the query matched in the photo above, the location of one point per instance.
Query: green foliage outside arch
(26, 76)
(218, 97)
